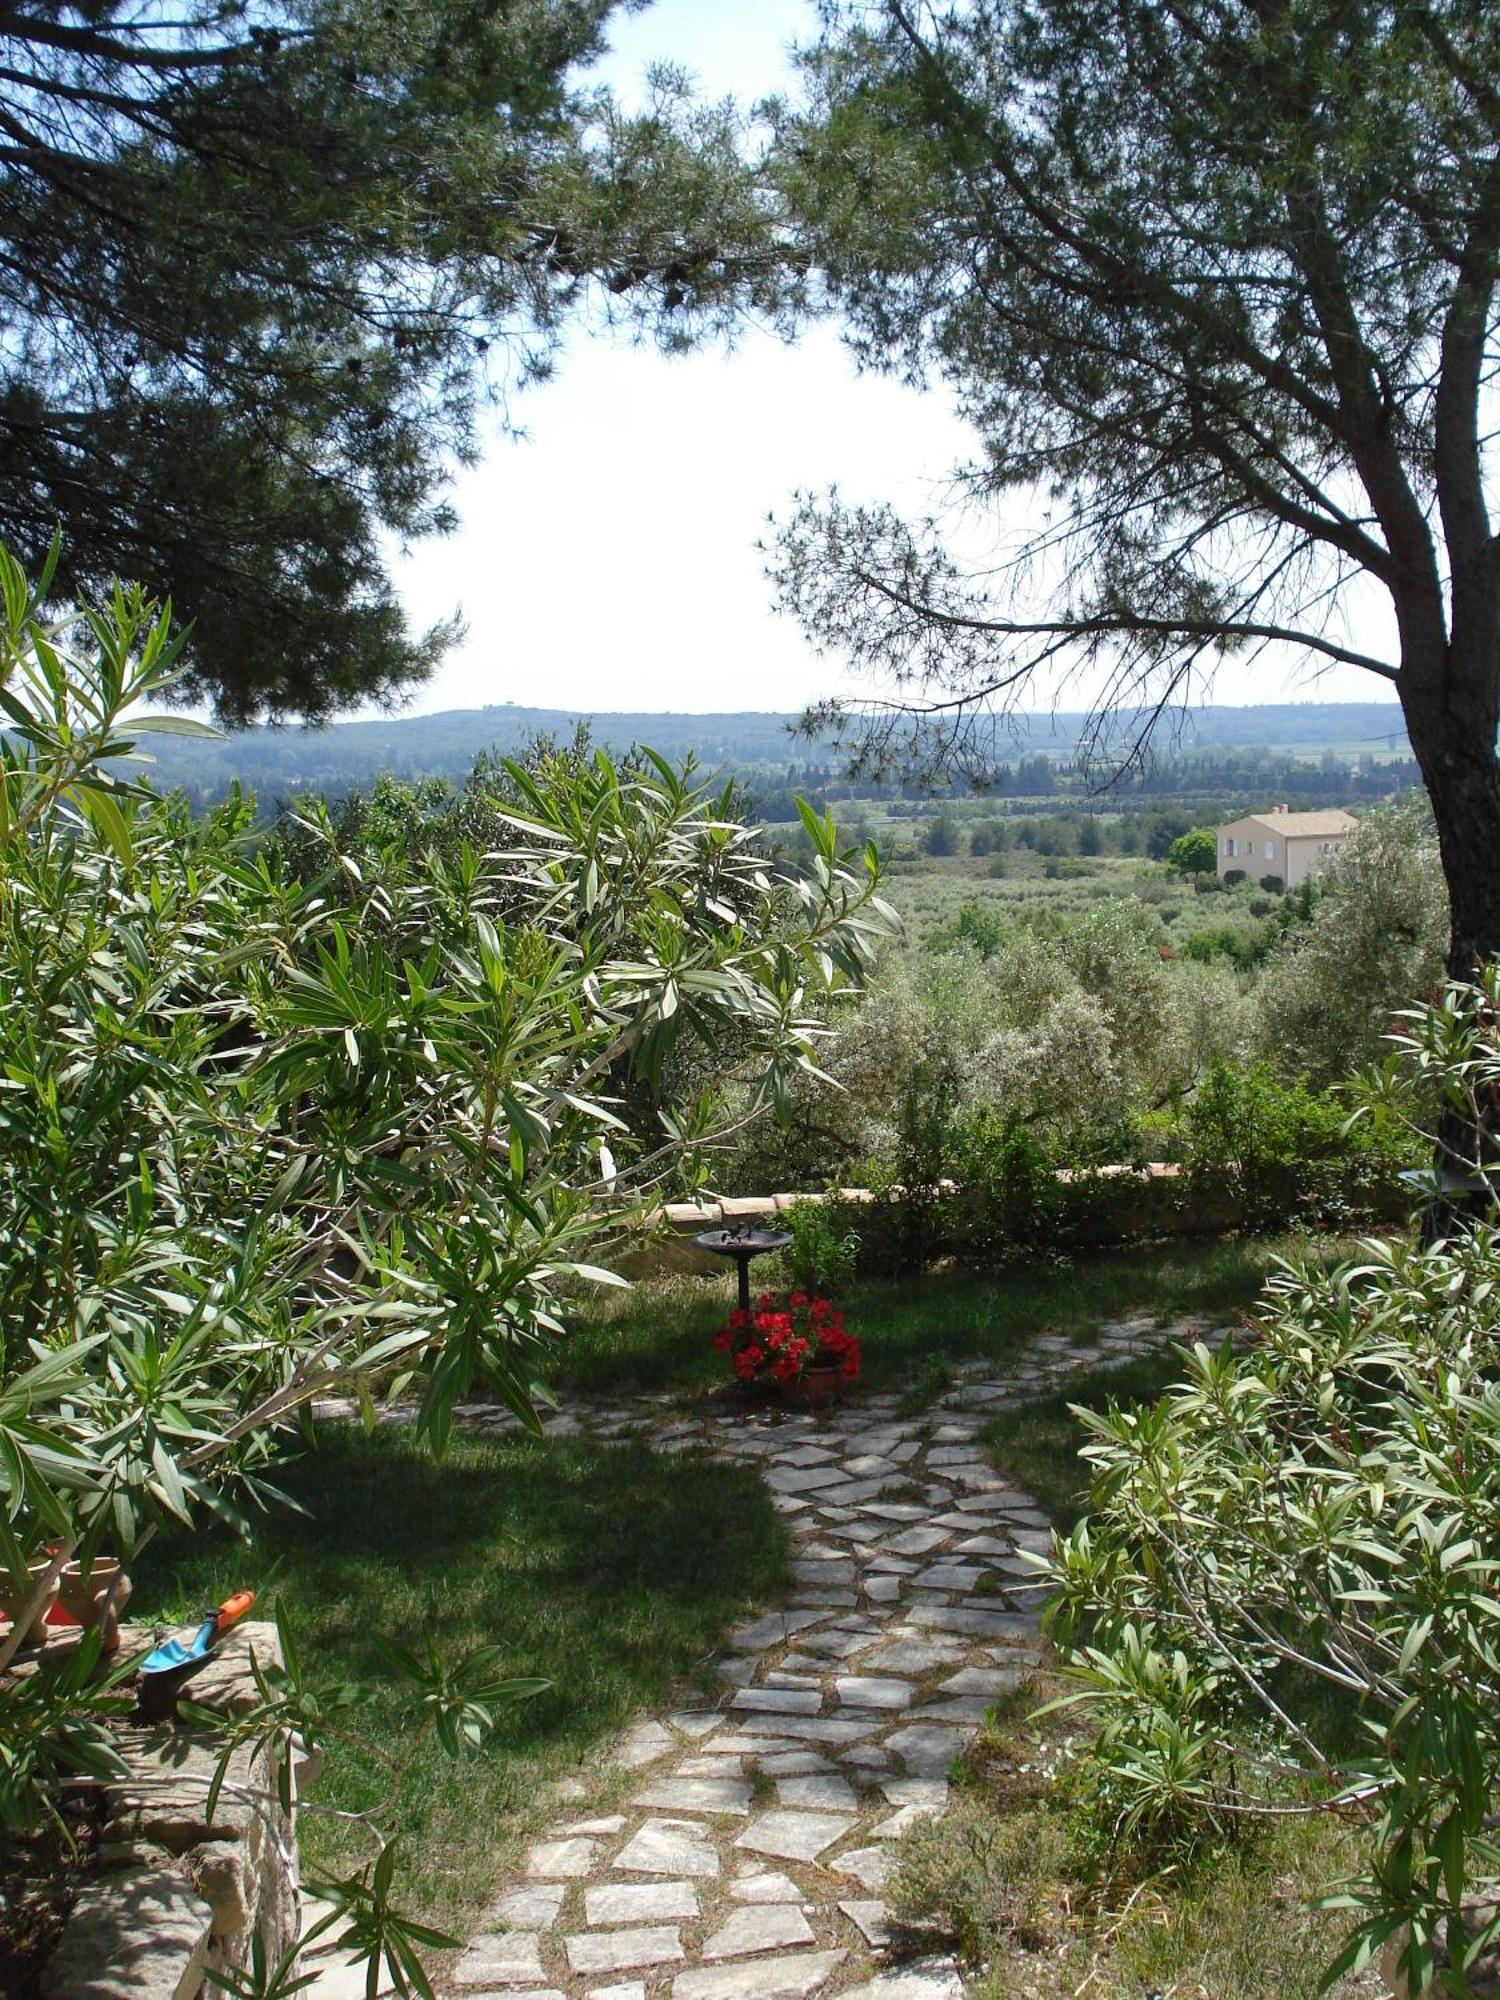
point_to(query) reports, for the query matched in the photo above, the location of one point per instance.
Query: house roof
(1309, 825)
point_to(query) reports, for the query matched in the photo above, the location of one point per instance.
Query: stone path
(748, 1858)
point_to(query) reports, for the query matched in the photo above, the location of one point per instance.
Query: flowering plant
(782, 1337)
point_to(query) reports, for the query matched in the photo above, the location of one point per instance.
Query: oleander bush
(1286, 1595)
(338, 1112)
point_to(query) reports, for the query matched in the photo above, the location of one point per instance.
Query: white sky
(608, 559)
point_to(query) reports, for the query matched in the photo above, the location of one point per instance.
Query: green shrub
(1233, 877)
(824, 1251)
(1279, 1152)
(1272, 884)
(1285, 1595)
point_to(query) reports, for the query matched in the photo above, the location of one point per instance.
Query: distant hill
(349, 756)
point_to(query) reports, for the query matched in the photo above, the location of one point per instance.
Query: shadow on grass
(609, 1570)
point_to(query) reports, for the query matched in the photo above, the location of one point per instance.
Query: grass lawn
(658, 1336)
(1037, 1442)
(609, 1570)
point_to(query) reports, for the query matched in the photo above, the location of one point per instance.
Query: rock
(795, 1977)
(793, 1836)
(132, 1937)
(618, 1951)
(765, 1888)
(927, 1749)
(514, 1959)
(705, 1795)
(221, 1872)
(639, 1902)
(759, 1927)
(669, 1847)
(562, 1859)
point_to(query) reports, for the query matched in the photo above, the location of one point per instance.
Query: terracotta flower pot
(815, 1388)
(13, 1602)
(84, 1598)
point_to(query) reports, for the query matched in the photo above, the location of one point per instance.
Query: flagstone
(532, 1908)
(868, 1691)
(669, 1847)
(779, 1701)
(868, 1865)
(949, 1576)
(765, 1887)
(917, 1541)
(926, 1749)
(643, 1745)
(871, 1919)
(793, 1836)
(774, 1628)
(920, 1979)
(619, 1951)
(512, 1959)
(562, 1858)
(705, 1795)
(809, 1728)
(794, 1977)
(759, 1927)
(983, 1680)
(639, 1902)
(821, 1791)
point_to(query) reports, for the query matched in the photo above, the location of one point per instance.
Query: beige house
(1289, 845)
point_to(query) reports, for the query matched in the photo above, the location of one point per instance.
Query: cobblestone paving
(749, 1856)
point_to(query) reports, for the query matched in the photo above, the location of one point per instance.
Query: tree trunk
(1451, 719)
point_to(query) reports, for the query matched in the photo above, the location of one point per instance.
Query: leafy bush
(270, 1130)
(1371, 940)
(1281, 1152)
(1285, 1596)
(824, 1250)
(1233, 877)
(1272, 884)
(1195, 853)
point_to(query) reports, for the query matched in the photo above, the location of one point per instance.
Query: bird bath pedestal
(742, 1242)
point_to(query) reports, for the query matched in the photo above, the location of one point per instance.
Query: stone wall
(180, 1890)
(1135, 1205)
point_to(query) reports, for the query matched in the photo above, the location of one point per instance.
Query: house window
(1229, 848)
(1270, 850)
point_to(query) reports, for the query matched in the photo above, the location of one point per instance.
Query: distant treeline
(1038, 756)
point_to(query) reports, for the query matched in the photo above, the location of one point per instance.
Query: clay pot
(84, 1598)
(815, 1388)
(13, 1602)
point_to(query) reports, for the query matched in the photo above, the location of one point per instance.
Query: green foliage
(270, 1130)
(1195, 853)
(1314, 1517)
(1372, 943)
(824, 1251)
(1276, 1152)
(244, 226)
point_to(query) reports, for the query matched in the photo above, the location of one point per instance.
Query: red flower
(723, 1342)
(797, 1299)
(738, 1319)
